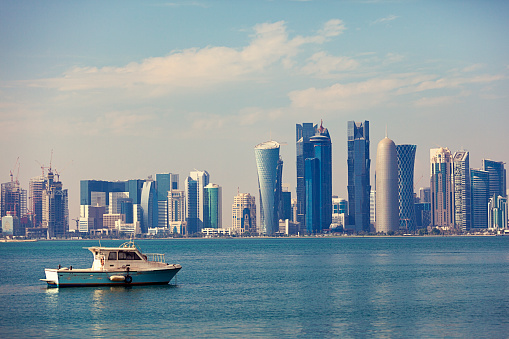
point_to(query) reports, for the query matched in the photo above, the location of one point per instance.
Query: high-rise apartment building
(359, 165)
(441, 188)
(497, 177)
(462, 191)
(406, 160)
(192, 203)
(497, 212)
(214, 206)
(176, 206)
(270, 171)
(387, 206)
(304, 149)
(197, 199)
(480, 186)
(13, 199)
(165, 182)
(177, 211)
(35, 188)
(55, 208)
(244, 213)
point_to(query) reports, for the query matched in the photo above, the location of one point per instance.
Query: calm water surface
(307, 287)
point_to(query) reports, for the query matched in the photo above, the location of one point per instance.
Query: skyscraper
(244, 213)
(462, 191)
(55, 212)
(322, 151)
(13, 199)
(202, 179)
(35, 187)
(304, 149)
(406, 160)
(177, 211)
(312, 180)
(497, 177)
(270, 171)
(214, 206)
(148, 206)
(497, 212)
(480, 185)
(165, 182)
(387, 206)
(359, 164)
(441, 187)
(191, 194)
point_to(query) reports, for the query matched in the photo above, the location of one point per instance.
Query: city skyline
(122, 97)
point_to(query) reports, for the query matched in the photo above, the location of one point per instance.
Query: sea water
(380, 287)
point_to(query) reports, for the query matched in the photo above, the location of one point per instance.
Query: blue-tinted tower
(318, 178)
(359, 164)
(406, 160)
(304, 149)
(312, 180)
(497, 177)
(192, 205)
(480, 196)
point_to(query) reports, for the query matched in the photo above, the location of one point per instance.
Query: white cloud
(324, 65)
(196, 67)
(379, 91)
(384, 20)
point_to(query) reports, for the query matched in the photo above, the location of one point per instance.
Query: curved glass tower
(270, 170)
(406, 160)
(387, 207)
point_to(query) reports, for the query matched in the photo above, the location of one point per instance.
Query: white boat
(115, 266)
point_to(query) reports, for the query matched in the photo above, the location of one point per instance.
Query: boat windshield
(128, 255)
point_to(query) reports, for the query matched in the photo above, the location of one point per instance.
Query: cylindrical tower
(387, 205)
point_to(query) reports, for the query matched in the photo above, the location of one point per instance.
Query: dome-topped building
(387, 204)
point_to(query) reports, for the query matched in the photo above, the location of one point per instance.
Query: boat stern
(51, 276)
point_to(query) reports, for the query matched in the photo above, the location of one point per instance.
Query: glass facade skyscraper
(497, 177)
(214, 206)
(312, 180)
(442, 203)
(318, 178)
(359, 164)
(406, 160)
(480, 196)
(191, 193)
(462, 191)
(270, 171)
(304, 149)
(165, 182)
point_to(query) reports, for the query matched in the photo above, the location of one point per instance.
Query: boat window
(123, 255)
(112, 256)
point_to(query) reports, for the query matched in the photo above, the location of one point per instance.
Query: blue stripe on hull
(91, 278)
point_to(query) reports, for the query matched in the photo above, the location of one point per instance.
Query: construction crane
(17, 174)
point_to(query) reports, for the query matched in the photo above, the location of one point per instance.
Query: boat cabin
(116, 258)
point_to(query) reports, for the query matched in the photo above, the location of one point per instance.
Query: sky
(118, 90)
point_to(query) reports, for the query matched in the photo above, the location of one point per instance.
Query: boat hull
(87, 277)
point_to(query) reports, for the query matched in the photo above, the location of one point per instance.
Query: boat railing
(157, 257)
